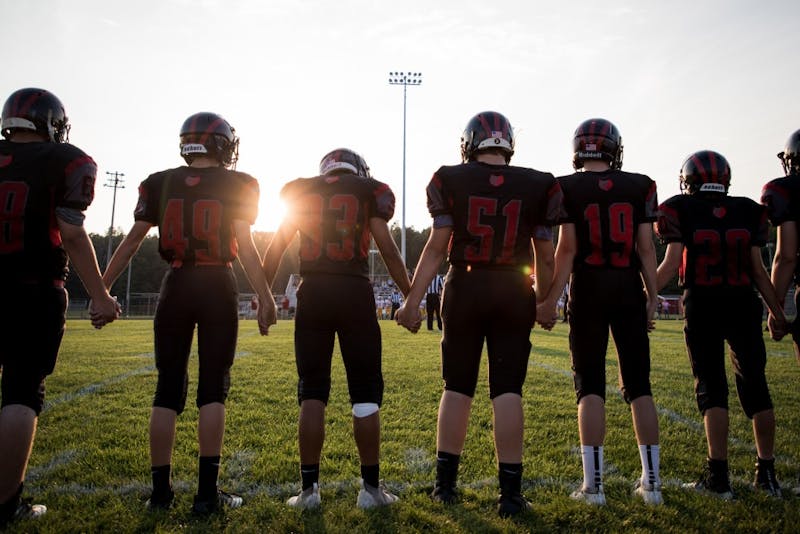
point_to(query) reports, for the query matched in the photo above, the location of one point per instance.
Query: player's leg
(629, 329)
(27, 359)
(508, 345)
(173, 328)
(705, 345)
(461, 347)
(588, 342)
(429, 310)
(313, 341)
(749, 358)
(217, 330)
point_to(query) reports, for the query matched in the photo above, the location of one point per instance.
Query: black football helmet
(790, 157)
(209, 134)
(485, 131)
(37, 110)
(344, 159)
(705, 171)
(597, 139)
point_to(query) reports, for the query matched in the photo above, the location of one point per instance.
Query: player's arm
(251, 263)
(669, 265)
(544, 260)
(785, 258)
(390, 253)
(546, 314)
(125, 252)
(432, 257)
(277, 247)
(764, 285)
(81, 254)
(646, 250)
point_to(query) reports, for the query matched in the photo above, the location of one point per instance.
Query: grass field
(90, 462)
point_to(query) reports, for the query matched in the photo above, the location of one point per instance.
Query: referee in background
(433, 302)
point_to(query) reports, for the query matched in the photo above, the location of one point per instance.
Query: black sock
(371, 474)
(161, 479)
(510, 476)
(209, 471)
(447, 467)
(765, 463)
(310, 475)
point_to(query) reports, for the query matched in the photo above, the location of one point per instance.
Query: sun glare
(271, 211)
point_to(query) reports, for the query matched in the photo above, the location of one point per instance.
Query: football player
(714, 241)
(204, 211)
(335, 214)
(491, 219)
(606, 252)
(46, 184)
(782, 198)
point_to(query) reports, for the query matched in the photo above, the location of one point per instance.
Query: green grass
(90, 461)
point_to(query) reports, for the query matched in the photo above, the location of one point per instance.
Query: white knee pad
(364, 409)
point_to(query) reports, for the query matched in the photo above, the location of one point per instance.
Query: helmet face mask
(344, 159)
(36, 110)
(790, 156)
(597, 139)
(705, 172)
(208, 134)
(487, 131)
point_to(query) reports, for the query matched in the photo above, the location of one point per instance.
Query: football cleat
(510, 504)
(220, 500)
(716, 484)
(594, 496)
(444, 493)
(159, 502)
(649, 493)
(765, 479)
(307, 499)
(370, 497)
(26, 510)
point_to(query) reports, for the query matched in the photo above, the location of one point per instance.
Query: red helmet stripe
(714, 171)
(485, 124)
(700, 167)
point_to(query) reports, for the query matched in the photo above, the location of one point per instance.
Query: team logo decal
(605, 184)
(496, 180)
(331, 179)
(719, 212)
(5, 160)
(192, 181)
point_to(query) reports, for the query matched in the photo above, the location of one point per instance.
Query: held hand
(546, 314)
(104, 310)
(267, 315)
(409, 318)
(652, 306)
(777, 327)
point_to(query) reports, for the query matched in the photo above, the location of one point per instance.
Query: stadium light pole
(405, 79)
(116, 183)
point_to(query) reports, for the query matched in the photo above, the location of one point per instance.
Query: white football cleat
(369, 497)
(593, 496)
(306, 499)
(649, 493)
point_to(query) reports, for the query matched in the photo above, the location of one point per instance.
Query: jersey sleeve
(651, 208)
(247, 209)
(147, 205)
(553, 212)
(438, 206)
(668, 225)
(80, 173)
(777, 199)
(761, 235)
(384, 201)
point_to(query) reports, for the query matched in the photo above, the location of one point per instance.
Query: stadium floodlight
(405, 79)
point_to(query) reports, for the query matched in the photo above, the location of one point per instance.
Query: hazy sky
(299, 78)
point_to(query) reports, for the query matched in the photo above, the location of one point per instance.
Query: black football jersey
(494, 210)
(717, 235)
(782, 200)
(35, 179)
(194, 209)
(332, 214)
(607, 208)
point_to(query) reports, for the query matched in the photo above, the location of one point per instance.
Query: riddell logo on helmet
(589, 155)
(193, 148)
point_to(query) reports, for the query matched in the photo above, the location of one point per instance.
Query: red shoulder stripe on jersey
(77, 163)
(775, 188)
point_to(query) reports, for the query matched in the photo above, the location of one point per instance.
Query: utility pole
(116, 183)
(405, 79)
